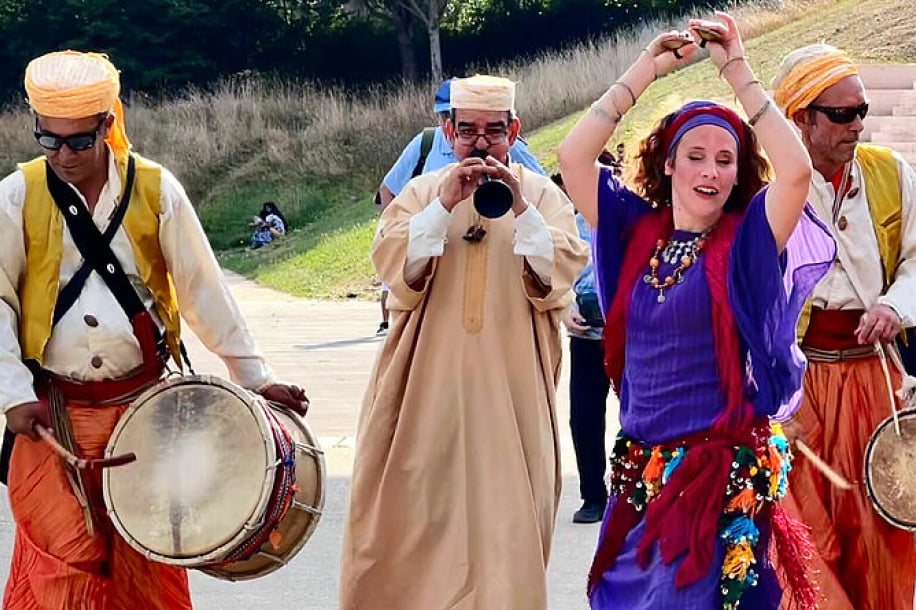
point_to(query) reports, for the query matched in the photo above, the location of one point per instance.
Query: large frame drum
(890, 470)
(223, 482)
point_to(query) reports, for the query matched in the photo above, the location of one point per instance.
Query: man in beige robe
(457, 471)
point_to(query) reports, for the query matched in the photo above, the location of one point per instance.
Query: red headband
(718, 115)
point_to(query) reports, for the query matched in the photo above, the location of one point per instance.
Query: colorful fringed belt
(674, 487)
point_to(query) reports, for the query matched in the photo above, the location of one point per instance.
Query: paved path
(329, 348)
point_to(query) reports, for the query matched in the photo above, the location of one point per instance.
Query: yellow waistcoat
(43, 228)
(885, 205)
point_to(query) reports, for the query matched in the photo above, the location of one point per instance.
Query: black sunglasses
(842, 114)
(77, 142)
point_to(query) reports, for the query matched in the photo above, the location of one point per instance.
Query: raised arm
(785, 198)
(578, 154)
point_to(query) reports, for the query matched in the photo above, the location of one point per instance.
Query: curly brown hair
(654, 185)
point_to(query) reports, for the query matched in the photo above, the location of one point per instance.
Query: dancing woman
(703, 270)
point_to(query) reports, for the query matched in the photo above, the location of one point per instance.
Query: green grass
(321, 257)
(326, 255)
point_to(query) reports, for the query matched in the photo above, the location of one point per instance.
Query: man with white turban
(71, 358)
(866, 194)
(457, 474)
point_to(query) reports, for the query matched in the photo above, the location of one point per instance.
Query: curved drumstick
(832, 475)
(82, 463)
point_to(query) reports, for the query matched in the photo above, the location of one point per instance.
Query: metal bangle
(760, 113)
(598, 110)
(725, 65)
(629, 90)
(749, 83)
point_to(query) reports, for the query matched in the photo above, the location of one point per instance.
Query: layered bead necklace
(684, 253)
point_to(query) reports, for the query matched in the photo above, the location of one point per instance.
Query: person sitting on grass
(268, 224)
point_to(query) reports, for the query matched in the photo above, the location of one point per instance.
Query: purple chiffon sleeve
(618, 210)
(767, 293)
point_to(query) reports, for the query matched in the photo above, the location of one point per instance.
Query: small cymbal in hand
(676, 43)
(707, 35)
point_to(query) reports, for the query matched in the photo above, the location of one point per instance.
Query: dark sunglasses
(842, 114)
(77, 142)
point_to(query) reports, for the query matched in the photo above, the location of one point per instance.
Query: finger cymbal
(673, 44)
(707, 35)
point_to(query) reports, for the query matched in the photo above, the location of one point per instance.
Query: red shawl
(649, 229)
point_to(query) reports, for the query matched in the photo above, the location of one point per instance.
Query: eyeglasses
(77, 142)
(842, 114)
(492, 136)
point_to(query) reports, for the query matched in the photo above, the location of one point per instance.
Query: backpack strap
(426, 145)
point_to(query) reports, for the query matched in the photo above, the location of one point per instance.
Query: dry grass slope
(319, 152)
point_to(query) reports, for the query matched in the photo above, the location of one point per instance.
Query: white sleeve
(534, 241)
(15, 378)
(204, 298)
(426, 238)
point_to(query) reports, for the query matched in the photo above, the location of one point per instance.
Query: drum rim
(867, 471)
(253, 519)
(218, 571)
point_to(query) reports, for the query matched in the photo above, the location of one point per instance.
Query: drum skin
(204, 477)
(890, 470)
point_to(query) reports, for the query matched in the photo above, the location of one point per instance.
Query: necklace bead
(685, 252)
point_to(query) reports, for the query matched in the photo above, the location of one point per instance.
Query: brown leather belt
(839, 355)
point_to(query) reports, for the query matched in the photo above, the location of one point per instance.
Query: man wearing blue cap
(427, 152)
(439, 152)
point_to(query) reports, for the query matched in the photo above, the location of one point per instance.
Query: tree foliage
(163, 45)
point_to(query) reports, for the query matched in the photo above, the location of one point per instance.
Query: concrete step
(885, 101)
(904, 111)
(890, 122)
(901, 135)
(888, 76)
(901, 147)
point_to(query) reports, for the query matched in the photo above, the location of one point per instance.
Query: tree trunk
(435, 51)
(403, 25)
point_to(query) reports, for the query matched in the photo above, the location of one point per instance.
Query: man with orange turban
(866, 194)
(71, 357)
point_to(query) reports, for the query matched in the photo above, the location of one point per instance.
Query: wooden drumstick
(82, 463)
(882, 356)
(832, 475)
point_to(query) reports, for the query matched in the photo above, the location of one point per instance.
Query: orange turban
(74, 85)
(808, 72)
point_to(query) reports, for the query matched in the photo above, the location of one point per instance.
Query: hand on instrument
(463, 180)
(670, 49)
(504, 173)
(22, 419)
(288, 395)
(880, 323)
(722, 38)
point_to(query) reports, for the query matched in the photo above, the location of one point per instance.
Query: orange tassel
(652, 473)
(775, 467)
(746, 501)
(275, 539)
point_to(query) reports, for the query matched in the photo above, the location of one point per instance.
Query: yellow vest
(885, 204)
(43, 228)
